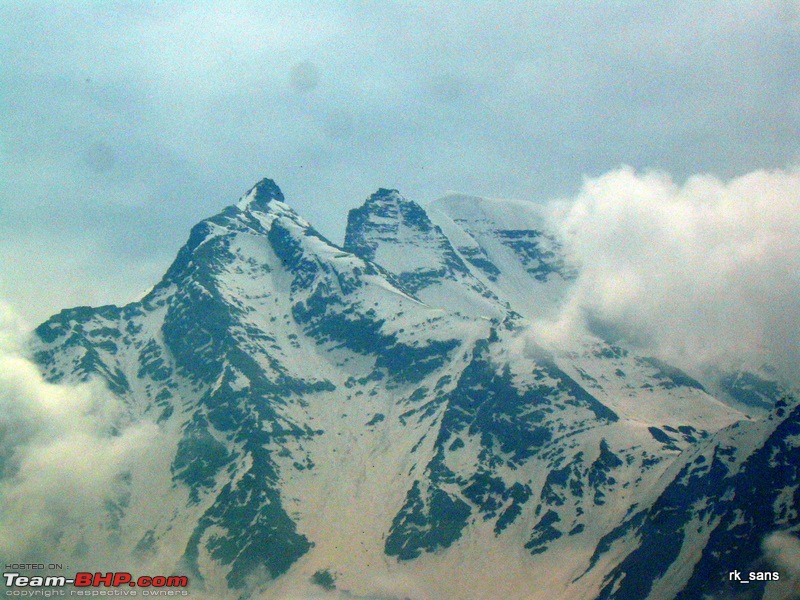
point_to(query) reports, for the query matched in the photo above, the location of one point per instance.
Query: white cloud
(63, 451)
(701, 273)
(782, 551)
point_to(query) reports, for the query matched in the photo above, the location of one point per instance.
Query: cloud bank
(64, 451)
(701, 273)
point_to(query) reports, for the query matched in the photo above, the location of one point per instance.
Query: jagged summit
(385, 215)
(384, 193)
(398, 234)
(261, 194)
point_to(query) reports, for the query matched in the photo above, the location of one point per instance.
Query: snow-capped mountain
(381, 419)
(398, 234)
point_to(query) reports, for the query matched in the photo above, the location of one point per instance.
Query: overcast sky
(124, 123)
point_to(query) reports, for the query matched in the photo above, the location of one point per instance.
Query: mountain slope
(383, 419)
(507, 245)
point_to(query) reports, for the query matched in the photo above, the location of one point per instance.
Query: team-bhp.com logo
(112, 579)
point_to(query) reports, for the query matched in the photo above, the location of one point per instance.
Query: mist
(66, 449)
(702, 273)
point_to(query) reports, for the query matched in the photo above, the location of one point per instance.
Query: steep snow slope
(723, 498)
(508, 247)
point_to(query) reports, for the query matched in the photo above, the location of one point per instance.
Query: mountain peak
(385, 215)
(385, 194)
(261, 194)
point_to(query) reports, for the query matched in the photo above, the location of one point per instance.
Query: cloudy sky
(124, 123)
